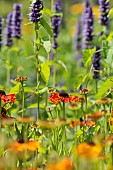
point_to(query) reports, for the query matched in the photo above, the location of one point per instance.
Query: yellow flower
(79, 8)
(89, 150)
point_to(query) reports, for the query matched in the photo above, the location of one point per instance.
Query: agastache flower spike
(104, 9)
(1, 20)
(36, 14)
(8, 31)
(16, 21)
(96, 63)
(88, 28)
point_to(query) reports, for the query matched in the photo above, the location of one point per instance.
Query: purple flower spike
(1, 20)
(8, 31)
(36, 8)
(16, 21)
(88, 28)
(58, 6)
(104, 9)
(96, 63)
(56, 22)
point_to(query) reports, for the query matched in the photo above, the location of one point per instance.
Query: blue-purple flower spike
(88, 27)
(56, 21)
(8, 31)
(1, 20)
(16, 21)
(96, 63)
(104, 10)
(36, 8)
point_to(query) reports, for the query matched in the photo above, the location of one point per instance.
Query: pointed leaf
(46, 26)
(87, 56)
(45, 72)
(104, 88)
(15, 89)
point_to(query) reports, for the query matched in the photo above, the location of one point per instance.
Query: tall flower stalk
(88, 26)
(16, 30)
(35, 17)
(96, 66)
(104, 11)
(56, 23)
(1, 21)
(8, 43)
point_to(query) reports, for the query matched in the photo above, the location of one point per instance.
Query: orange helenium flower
(104, 101)
(55, 98)
(89, 150)
(21, 147)
(65, 164)
(10, 98)
(84, 91)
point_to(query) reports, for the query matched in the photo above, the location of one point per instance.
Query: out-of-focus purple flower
(8, 31)
(56, 22)
(16, 21)
(36, 8)
(104, 9)
(96, 63)
(58, 6)
(1, 20)
(88, 28)
(78, 37)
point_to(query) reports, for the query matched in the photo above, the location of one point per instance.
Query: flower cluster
(104, 9)
(8, 31)
(36, 8)
(56, 98)
(16, 21)
(88, 26)
(1, 31)
(96, 63)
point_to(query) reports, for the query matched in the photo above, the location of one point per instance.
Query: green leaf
(15, 89)
(45, 72)
(28, 90)
(46, 26)
(62, 64)
(47, 46)
(35, 105)
(48, 11)
(16, 49)
(87, 56)
(104, 88)
(43, 90)
(110, 15)
(79, 80)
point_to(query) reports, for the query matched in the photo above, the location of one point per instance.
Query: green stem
(86, 102)
(37, 46)
(64, 132)
(96, 86)
(0, 116)
(22, 99)
(8, 69)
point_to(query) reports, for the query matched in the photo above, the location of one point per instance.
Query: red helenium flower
(10, 98)
(55, 98)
